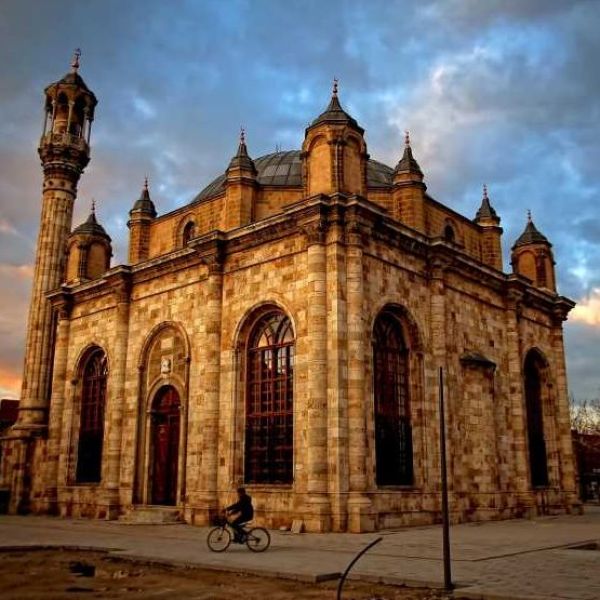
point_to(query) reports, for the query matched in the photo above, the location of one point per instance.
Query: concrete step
(152, 515)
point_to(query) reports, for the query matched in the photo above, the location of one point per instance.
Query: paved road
(513, 560)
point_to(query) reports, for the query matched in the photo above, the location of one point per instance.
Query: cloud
(503, 92)
(588, 309)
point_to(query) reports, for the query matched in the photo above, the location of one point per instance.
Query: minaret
(140, 219)
(64, 151)
(409, 190)
(532, 257)
(489, 222)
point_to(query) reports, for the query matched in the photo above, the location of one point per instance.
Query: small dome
(91, 227)
(531, 235)
(285, 169)
(144, 203)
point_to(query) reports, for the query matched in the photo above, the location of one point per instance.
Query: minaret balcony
(64, 139)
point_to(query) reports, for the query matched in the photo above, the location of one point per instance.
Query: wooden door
(165, 446)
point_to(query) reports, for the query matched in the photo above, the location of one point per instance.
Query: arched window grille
(393, 432)
(91, 429)
(270, 401)
(538, 460)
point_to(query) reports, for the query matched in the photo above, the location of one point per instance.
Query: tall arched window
(270, 401)
(189, 232)
(91, 429)
(449, 234)
(393, 433)
(538, 461)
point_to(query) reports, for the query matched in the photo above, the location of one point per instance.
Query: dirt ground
(57, 574)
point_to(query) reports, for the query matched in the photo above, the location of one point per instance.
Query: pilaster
(318, 516)
(121, 286)
(360, 510)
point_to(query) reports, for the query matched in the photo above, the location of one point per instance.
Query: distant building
(284, 330)
(8, 413)
(587, 459)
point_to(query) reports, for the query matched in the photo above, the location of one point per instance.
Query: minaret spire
(75, 60)
(486, 213)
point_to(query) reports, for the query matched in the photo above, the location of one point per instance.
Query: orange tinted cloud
(10, 382)
(588, 309)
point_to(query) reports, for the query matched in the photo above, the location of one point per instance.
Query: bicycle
(220, 537)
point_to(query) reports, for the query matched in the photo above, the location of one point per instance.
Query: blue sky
(502, 92)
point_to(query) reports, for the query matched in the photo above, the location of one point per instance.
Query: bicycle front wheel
(218, 539)
(258, 539)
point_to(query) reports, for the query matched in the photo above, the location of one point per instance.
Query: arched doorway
(165, 428)
(538, 459)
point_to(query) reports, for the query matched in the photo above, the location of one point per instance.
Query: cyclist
(240, 513)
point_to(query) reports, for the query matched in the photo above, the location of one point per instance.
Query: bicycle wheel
(258, 539)
(218, 539)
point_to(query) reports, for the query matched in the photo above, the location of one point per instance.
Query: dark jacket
(243, 506)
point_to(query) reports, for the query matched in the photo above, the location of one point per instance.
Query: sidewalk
(507, 559)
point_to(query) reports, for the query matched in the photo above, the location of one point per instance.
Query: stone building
(284, 330)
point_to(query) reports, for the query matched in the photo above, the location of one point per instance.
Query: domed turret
(89, 250)
(489, 221)
(409, 190)
(240, 187)
(334, 152)
(532, 257)
(140, 218)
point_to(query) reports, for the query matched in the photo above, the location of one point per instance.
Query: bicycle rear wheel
(258, 539)
(218, 539)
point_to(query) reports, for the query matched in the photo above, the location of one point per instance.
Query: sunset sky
(503, 92)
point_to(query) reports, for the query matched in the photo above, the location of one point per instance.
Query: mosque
(284, 330)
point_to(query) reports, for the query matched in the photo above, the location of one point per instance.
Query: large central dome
(285, 169)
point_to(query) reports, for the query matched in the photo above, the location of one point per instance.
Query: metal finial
(75, 61)
(407, 139)
(146, 183)
(485, 192)
(334, 91)
(94, 206)
(529, 215)
(242, 135)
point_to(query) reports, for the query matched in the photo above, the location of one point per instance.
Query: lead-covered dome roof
(285, 169)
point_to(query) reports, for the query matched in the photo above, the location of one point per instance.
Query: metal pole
(445, 514)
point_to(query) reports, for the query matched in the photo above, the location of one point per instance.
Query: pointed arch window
(91, 428)
(538, 460)
(270, 401)
(393, 431)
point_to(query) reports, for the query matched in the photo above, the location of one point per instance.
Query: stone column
(318, 516)
(116, 400)
(209, 357)
(437, 308)
(564, 441)
(518, 419)
(62, 306)
(337, 391)
(360, 511)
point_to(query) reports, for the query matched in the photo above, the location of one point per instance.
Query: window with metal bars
(269, 444)
(91, 429)
(393, 432)
(538, 460)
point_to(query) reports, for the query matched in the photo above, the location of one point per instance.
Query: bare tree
(585, 415)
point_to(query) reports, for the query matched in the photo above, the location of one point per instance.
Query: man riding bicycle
(240, 513)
